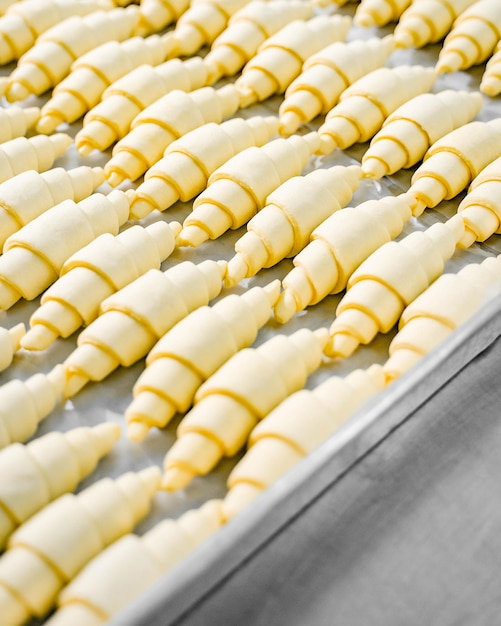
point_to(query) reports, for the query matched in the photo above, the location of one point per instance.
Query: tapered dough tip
(140, 207)
(47, 124)
(17, 332)
(61, 142)
(272, 290)
(238, 498)
(137, 431)
(403, 39)
(107, 434)
(247, 96)
(192, 236)
(467, 240)
(449, 62)
(4, 81)
(490, 86)
(74, 383)
(15, 91)
(85, 148)
(285, 308)
(327, 145)
(364, 19)
(114, 179)
(418, 208)
(176, 478)
(237, 271)
(32, 115)
(289, 122)
(152, 478)
(341, 345)
(57, 379)
(373, 168)
(39, 337)
(98, 176)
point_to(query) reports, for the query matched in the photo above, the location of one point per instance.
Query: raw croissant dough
(240, 393)
(34, 474)
(94, 273)
(192, 351)
(50, 548)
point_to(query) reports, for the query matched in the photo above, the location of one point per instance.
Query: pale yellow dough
(337, 247)
(94, 273)
(199, 26)
(365, 104)
(10, 342)
(94, 72)
(481, 207)
(28, 194)
(164, 121)
(283, 227)
(192, 351)
(34, 474)
(25, 403)
(128, 567)
(326, 74)
(247, 29)
(239, 394)
(439, 310)
(427, 21)
(472, 38)
(34, 255)
(49, 60)
(125, 98)
(389, 280)
(454, 160)
(371, 13)
(415, 126)
(155, 15)
(183, 171)
(280, 58)
(237, 190)
(133, 319)
(27, 20)
(297, 426)
(50, 548)
(37, 152)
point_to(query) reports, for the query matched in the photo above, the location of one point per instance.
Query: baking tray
(182, 590)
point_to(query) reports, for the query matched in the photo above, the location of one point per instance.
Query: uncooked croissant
(409, 131)
(387, 281)
(25, 403)
(94, 273)
(490, 83)
(155, 15)
(201, 24)
(10, 342)
(427, 21)
(34, 474)
(134, 319)
(481, 207)
(280, 58)
(27, 20)
(473, 37)
(191, 352)
(364, 105)
(110, 119)
(237, 190)
(439, 310)
(454, 160)
(34, 255)
(49, 60)
(379, 12)
(326, 74)
(31, 153)
(294, 429)
(94, 72)
(247, 29)
(283, 227)
(27, 195)
(133, 563)
(188, 162)
(230, 403)
(337, 247)
(50, 548)
(161, 123)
